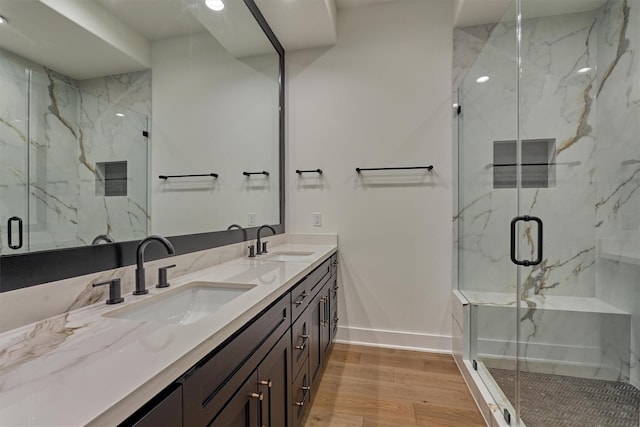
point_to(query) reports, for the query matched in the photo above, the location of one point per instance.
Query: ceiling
(154, 19)
(76, 41)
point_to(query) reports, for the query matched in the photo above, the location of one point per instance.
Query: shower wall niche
(55, 132)
(566, 77)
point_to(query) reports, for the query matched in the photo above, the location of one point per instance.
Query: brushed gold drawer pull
(303, 295)
(267, 383)
(258, 396)
(323, 299)
(335, 320)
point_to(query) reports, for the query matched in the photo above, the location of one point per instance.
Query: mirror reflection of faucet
(140, 279)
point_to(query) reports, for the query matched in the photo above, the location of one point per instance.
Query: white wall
(380, 97)
(212, 113)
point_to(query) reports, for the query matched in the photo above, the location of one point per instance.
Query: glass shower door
(578, 129)
(487, 202)
(14, 165)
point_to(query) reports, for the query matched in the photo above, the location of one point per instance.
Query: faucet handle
(252, 251)
(115, 295)
(162, 276)
(264, 247)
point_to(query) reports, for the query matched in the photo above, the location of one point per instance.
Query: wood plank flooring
(369, 386)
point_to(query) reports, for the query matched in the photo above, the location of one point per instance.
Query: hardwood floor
(369, 386)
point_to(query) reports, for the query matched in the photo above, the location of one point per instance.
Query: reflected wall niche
(83, 148)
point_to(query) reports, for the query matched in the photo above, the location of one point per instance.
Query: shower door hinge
(459, 109)
(145, 133)
(475, 365)
(507, 416)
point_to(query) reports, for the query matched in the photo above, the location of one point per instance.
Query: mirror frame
(30, 269)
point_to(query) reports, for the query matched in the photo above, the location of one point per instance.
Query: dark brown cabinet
(262, 400)
(319, 321)
(243, 409)
(274, 383)
(263, 375)
(165, 409)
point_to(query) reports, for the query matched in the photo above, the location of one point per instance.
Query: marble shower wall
(617, 175)
(594, 118)
(550, 104)
(72, 126)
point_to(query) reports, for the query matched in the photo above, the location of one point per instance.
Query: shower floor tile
(561, 401)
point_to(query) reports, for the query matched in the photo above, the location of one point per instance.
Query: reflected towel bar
(576, 163)
(398, 168)
(215, 175)
(265, 173)
(300, 172)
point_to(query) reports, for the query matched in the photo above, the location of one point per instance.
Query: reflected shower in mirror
(102, 97)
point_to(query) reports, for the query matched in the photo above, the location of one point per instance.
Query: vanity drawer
(300, 394)
(300, 343)
(302, 293)
(212, 382)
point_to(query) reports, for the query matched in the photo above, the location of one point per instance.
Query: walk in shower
(73, 156)
(548, 210)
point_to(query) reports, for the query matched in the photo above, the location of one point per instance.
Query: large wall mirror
(125, 118)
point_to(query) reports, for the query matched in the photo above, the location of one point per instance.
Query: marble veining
(79, 367)
(593, 117)
(71, 126)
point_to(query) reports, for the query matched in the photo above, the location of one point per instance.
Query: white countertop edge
(157, 377)
(129, 404)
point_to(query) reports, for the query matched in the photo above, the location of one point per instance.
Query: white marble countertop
(82, 368)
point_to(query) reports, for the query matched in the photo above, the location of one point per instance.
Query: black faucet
(140, 282)
(102, 238)
(259, 249)
(244, 232)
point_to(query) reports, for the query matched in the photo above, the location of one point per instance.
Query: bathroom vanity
(155, 360)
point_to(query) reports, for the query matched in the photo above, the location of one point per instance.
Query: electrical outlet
(251, 219)
(317, 219)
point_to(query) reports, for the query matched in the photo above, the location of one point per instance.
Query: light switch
(251, 220)
(317, 219)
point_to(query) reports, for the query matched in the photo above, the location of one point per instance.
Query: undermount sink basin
(184, 305)
(289, 256)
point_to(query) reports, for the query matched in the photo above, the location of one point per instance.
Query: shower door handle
(526, 218)
(10, 232)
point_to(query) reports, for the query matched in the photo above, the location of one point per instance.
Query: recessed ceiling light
(584, 70)
(119, 114)
(216, 5)
(482, 79)
(3, 20)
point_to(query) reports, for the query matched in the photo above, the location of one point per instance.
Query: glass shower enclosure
(73, 162)
(548, 221)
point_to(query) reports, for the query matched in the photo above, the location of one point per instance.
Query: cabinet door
(325, 333)
(319, 339)
(274, 381)
(243, 410)
(333, 316)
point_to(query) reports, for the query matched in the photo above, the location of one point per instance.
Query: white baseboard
(394, 339)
